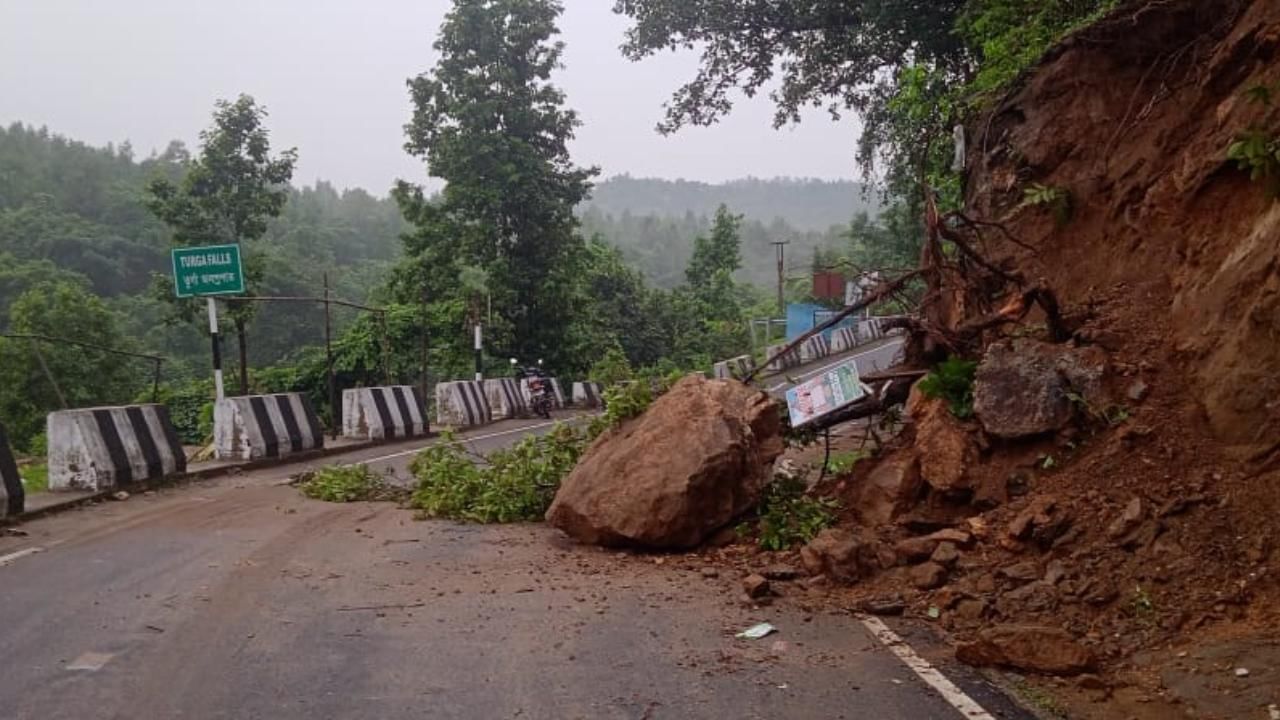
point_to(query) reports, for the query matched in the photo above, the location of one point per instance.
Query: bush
(353, 483)
(513, 485)
(952, 380)
(789, 516)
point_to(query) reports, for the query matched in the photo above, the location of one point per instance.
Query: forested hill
(74, 213)
(804, 204)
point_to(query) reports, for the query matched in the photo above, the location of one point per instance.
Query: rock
(985, 583)
(1055, 572)
(889, 489)
(120, 495)
(692, 463)
(1022, 386)
(755, 586)
(841, 555)
(710, 573)
(1035, 513)
(1025, 571)
(1143, 536)
(1028, 648)
(889, 605)
(928, 576)
(945, 448)
(781, 572)
(1137, 391)
(946, 554)
(918, 549)
(1128, 520)
(723, 537)
(972, 609)
(990, 491)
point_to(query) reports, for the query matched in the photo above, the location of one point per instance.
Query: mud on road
(245, 600)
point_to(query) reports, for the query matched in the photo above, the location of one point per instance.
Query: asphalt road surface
(874, 357)
(241, 599)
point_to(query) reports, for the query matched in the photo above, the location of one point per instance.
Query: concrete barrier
(462, 404)
(265, 426)
(383, 413)
(506, 401)
(557, 393)
(733, 368)
(779, 362)
(108, 448)
(588, 395)
(12, 493)
(844, 339)
(815, 348)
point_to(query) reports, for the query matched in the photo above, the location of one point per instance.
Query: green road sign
(213, 270)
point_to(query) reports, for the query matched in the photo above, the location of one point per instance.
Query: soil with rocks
(1115, 496)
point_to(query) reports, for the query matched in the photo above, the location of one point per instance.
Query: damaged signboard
(826, 393)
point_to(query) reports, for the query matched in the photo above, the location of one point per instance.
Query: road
(874, 357)
(241, 599)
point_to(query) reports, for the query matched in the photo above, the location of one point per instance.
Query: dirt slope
(1164, 522)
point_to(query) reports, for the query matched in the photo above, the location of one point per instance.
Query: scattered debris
(755, 632)
(756, 586)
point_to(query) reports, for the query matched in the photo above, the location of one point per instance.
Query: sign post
(207, 272)
(825, 394)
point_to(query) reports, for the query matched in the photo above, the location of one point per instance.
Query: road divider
(383, 413)
(12, 493)
(557, 393)
(815, 348)
(462, 404)
(265, 426)
(733, 368)
(107, 448)
(844, 339)
(778, 361)
(588, 395)
(506, 401)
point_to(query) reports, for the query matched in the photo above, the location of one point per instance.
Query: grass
(1039, 699)
(35, 477)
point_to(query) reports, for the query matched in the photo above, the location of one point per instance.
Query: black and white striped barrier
(557, 393)
(778, 361)
(107, 448)
(383, 413)
(12, 493)
(505, 399)
(265, 426)
(588, 395)
(815, 348)
(462, 404)
(733, 368)
(844, 339)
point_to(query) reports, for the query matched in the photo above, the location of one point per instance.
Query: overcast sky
(332, 73)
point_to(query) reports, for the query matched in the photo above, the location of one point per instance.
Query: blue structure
(803, 317)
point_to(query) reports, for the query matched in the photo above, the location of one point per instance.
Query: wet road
(241, 599)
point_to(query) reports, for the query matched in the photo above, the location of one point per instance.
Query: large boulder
(943, 444)
(841, 555)
(1025, 387)
(694, 461)
(890, 489)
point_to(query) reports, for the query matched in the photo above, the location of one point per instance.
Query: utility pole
(335, 411)
(781, 246)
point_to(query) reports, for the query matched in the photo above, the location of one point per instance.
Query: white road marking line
(931, 675)
(90, 661)
(828, 366)
(464, 439)
(6, 559)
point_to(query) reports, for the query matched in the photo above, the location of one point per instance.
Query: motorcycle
(541, 394)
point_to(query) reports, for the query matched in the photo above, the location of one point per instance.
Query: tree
(489, 122)
(85, 377)
(228, 194)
